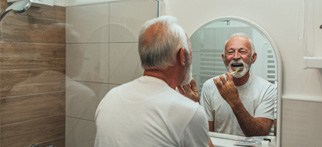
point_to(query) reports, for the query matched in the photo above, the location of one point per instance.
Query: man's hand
(250, 125)
(227, 89)
(190, 90)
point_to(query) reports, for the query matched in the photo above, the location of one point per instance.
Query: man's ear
(182, 58)
(223, 58)
(253, 58)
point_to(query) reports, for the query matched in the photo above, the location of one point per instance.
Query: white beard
(187, 76)
(239, 74)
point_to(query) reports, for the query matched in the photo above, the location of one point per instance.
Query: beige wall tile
(127, 17)
(87, 62)
(87, 23)
(124, 63)
(82, 98)
(80, 133)
(301, 123)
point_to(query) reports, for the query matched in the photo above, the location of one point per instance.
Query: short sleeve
(266, 107)
(205, 100)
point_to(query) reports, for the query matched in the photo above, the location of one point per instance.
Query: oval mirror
(207, 47)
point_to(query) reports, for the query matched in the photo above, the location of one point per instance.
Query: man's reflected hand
(227, 89)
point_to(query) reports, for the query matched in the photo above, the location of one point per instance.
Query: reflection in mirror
(208, 45)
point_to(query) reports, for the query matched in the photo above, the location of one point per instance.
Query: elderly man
(149, 111)
(238, 102)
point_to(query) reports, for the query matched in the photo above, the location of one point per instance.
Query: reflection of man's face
(238, 54)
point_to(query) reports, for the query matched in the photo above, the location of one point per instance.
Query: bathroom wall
(32, 77)
(101, 53)
(94, 43)
(294, 27)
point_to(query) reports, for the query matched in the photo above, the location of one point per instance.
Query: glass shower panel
(57, 63)
(101, 53)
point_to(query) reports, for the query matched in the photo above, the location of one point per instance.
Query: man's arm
(210, 143)
(250, 125)
(211, 126)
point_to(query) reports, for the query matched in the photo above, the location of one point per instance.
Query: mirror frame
(278, 61)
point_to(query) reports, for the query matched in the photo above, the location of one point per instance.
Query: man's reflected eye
(240, 51)
(229, 52)
(243, 51)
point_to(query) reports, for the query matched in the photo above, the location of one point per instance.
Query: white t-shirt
(257, 96)
(147, 112)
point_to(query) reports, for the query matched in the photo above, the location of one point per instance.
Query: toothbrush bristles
(237, 70)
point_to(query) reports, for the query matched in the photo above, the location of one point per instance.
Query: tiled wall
(32, 77)
(301, 123)
(101, 53)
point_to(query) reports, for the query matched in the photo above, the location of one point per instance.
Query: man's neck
(241, 81)
(164, 74)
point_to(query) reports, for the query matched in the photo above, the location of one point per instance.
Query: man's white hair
(159, 41)
(243, 35)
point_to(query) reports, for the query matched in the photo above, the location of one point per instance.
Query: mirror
(208, 44)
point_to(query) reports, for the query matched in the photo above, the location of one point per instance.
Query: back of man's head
(159, 41)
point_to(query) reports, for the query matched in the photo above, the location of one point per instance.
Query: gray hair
(159, 41)
(243, 35)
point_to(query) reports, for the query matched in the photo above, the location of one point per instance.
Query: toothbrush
(234, 72)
